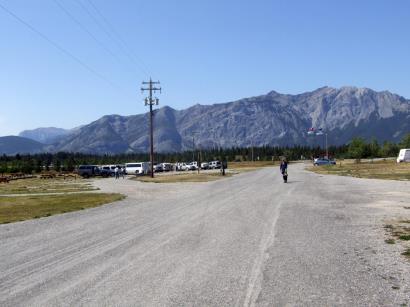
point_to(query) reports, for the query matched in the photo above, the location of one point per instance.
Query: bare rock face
(271, 119)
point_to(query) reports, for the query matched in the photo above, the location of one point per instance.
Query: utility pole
(193, 146)
(150, 101)
(199, 159)
(194, 150)
(252, 150)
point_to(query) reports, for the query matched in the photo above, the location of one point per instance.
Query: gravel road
(247, 240)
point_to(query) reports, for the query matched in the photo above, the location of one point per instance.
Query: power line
(123, 45)
(103, 28)
(83, 27)
(57, 46)
(97, 22)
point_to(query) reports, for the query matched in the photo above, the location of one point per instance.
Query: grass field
(20, 208)
(382, 169)
(37, 185)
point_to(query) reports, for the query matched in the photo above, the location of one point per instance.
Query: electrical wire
(115, 36)
(84, 28)
(71, 16)
(58, 47)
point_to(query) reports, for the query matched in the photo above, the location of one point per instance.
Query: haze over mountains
(271, 119)
(47, 135)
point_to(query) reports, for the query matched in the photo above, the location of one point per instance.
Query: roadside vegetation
(53, 185)
(206, 175)
(360, 149)
(30, 198)
(398, 231)
(20, 208)
(183, 177)
(244, 165)
(379, 169)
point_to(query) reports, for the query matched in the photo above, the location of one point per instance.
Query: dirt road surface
(248, 240)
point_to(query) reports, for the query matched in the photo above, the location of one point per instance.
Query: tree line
(358, 148)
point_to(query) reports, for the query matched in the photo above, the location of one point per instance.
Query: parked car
(87, 171)
(108, 169)
(180, 166)
(166, 167)
(204, 165)
(158, 168)
(104, 172)
(322, 161)
(137, 168)
(193, 166)
(404, 155)
(215, 164)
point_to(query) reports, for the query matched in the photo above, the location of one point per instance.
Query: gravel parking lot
(247, 240)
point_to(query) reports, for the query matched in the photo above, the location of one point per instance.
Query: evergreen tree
(389, 149)
(357, 148)
(373, 149)
(405, 142)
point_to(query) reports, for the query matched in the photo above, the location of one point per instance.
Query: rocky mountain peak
(273, 118)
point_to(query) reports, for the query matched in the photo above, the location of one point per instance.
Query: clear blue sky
(202, 52)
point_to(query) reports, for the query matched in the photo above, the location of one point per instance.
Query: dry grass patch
(406, 253)
(37, 185)
(387, 169)
(248, 166)
(399, 232)
(183, 177)
(252, 165)
(20, 208)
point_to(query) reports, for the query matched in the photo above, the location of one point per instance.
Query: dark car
(103, 172)
(322, 161)
(158, 168)
(87, 171)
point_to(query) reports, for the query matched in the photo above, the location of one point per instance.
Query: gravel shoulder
(245, 240)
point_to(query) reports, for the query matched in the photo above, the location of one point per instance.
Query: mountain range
(271, 119)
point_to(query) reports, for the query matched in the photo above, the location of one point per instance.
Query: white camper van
(137, 168)
(404, 155)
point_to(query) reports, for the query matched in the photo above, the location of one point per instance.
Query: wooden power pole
(150, 101)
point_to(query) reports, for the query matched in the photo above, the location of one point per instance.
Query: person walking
(123, 172)
(284, 170)
(116, 172)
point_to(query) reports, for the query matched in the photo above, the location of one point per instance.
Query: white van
(404, 155)
(137, 168)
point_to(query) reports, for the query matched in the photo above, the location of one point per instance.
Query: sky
(65, 63)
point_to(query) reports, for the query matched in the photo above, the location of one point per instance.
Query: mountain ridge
(11, 145)
(269, 119)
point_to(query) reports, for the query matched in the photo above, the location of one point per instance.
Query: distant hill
(271, 119)
(47, 135)
(11, 145)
